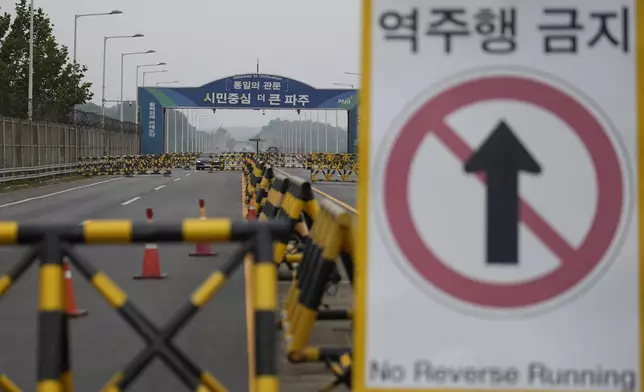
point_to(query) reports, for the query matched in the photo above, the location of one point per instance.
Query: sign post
(499, 246)
(256, 140)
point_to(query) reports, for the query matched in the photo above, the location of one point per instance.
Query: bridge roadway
(102, 343)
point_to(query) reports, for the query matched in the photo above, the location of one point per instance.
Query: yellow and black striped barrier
(333, 167)
(323, 167)
(51, 243)
(131, 165)
(331, 241)
(321, 239)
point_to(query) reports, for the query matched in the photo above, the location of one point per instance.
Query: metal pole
(136, 99)
(122, 57)
(310, 132)
(182, 134)
(291, 135)
(298, 135)
(75, 35)
(30, 95)
(317, 130)
(175, 130)
(103, 84)
(326, 131)
(166, 120)
(337, 133)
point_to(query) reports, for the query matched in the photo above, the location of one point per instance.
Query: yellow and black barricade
(274, 197)
(298, 208)
(50, 243)
(262, 188)
(301, 308)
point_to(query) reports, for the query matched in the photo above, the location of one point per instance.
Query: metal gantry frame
(51, 243)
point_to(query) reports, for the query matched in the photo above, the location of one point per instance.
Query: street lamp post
(150, 72)
(78, 16)
(122, 58)
(136, 101)
(30, 94)
(343, 84)
(168, 82)
(105, 39)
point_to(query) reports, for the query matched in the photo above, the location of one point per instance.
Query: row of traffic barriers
(53, 248)
(323, 166)
(321, 242)
(131, 165)
(333, 167)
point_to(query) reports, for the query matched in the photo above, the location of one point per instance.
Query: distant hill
(323, 135)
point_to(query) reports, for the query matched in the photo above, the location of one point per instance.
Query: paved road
(346, 192)
(102, 343)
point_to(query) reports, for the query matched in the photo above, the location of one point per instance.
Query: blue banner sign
(246, 91)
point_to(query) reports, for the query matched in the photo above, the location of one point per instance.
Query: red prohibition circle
(576, 262)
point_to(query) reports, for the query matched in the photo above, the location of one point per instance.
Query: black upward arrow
(501, 157)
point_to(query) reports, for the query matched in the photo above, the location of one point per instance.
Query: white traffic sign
(500, 250)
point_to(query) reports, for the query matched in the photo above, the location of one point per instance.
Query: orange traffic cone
(70, 299)
(151, 268)
(252, 213)
(202, 248)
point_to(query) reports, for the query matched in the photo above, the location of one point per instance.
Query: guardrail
(37, 172)
(323, 167)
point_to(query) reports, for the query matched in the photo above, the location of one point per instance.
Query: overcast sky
(314, 41)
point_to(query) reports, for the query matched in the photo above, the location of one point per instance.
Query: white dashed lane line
(59, 192)
(177, 179)
(132, 200)
(159, 187)
(188, 174)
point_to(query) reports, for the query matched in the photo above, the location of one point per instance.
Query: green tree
(58, 84)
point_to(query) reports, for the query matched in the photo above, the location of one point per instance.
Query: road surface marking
(177, 179)
(13, 203)
(336, 201)
(159, 187)
(132, 200)
(188, 174)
